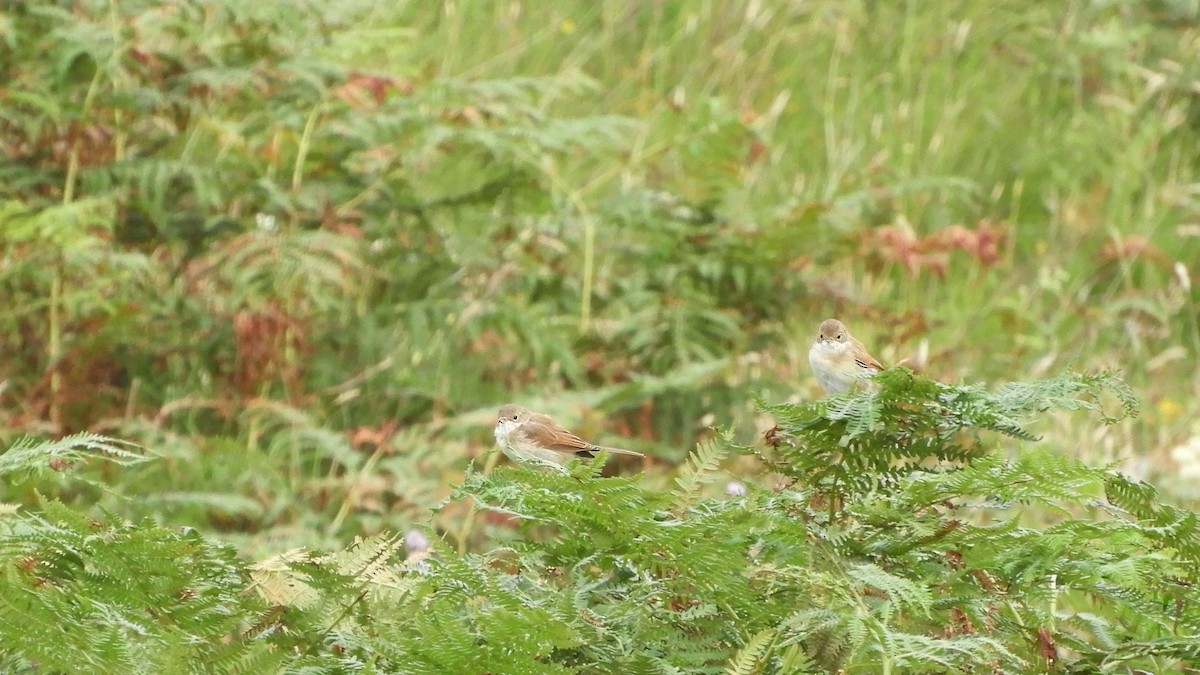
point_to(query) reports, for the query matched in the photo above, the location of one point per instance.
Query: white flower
(1187, 457)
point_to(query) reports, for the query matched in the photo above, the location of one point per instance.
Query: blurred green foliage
(301, 252)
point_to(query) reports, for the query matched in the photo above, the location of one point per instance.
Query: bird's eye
(515, 417)
(841, 337)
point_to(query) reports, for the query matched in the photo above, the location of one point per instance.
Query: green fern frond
(29, 456)
(1038, 476)
(70, 226)
(111, 593)
(224, 503)
(1165, 525)
(749, 658)
(699, 468)
(905, 593)
(857, 443)
(921, 653)
(290, 428)
(1180, 648)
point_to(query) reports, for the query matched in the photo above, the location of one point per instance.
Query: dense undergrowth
(904, 543)
(299, 254)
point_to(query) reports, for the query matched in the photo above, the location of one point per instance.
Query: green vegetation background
(302, 252)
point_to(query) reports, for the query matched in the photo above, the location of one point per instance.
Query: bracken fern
(967, 558)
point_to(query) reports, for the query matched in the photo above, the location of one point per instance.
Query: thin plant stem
(464, 533)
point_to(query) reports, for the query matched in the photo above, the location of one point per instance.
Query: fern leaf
(31, 457)
(750, 656)
(699, 468)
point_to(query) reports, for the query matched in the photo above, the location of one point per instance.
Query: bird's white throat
(831, 346)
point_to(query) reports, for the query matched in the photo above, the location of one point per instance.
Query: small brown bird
(533, 439)
(838, 359)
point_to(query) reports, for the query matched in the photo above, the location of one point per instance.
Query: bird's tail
(615, 451)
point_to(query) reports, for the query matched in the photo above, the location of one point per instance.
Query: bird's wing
(552, 436)
(870, 364)
(863, 358)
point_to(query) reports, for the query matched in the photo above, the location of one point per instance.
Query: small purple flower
(416, 541)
